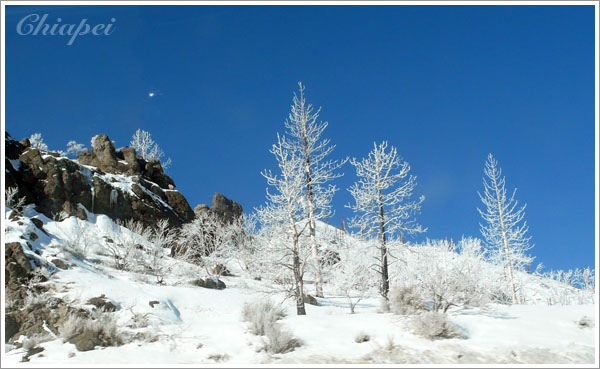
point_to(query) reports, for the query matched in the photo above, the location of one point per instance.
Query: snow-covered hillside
(178, 322)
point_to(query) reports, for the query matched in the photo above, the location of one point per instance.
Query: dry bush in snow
(29, 343)
(101, 327)
(434, 325)
(406, 300)
(585, 322)
(261, 315)
(362, 337)
(280, 340)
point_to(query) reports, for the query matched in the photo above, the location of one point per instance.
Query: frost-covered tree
(354, 276)
(382, 202)
(209, 241)
(305, 141)
(448, 274)
(74, 148)
(161, 237)
(37, 142)
(281, 217)
(147, 148)
(504, 230)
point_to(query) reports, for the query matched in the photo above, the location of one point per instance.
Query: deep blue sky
(446, 85)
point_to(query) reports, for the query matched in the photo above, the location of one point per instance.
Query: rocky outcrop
(117, 183)
(34, 319)
(224, 208)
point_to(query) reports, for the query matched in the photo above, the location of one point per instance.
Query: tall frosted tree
(305, 141)
(382, 202)
(281, 217)
(504, 230)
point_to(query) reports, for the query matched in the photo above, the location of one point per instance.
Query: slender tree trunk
(311, 222)
(298, 274)
(385, 281)
(298, 283)
(506, 244)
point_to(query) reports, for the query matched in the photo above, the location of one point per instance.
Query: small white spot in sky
(150, 94)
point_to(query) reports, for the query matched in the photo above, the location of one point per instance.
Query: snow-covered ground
(192, 325)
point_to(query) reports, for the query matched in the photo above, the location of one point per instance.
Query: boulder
(222, 270)
(211, 282)
(102, 303)
(311, 300)
(60, 264)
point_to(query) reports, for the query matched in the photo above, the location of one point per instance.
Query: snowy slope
(192, 325)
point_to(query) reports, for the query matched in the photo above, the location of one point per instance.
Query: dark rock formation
(18, 270)
(30, 321)
(97, 181)
(226, 209)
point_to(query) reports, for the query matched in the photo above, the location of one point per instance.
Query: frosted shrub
(29, 343)
(261, 315)
(406, 300)
(129, 249)
(447, 274)
(585, 322)
(353, 275)
(102, 327)
(362, 337)
(13, 201)
(280, 340)
(77, 242)
(433, 325)
(384, 305)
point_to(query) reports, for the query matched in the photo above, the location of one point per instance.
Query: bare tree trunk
(298, 282)
(298, 272)
(506, 244)
(385, 281)
(312, 223)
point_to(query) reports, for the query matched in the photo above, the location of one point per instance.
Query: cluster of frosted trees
(300, 192)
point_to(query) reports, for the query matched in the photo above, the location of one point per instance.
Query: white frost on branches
(305, 142)
(147, 148)
(383, 206)
(281, 217)
(504, 230)
(74, 148)
(37, 142)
